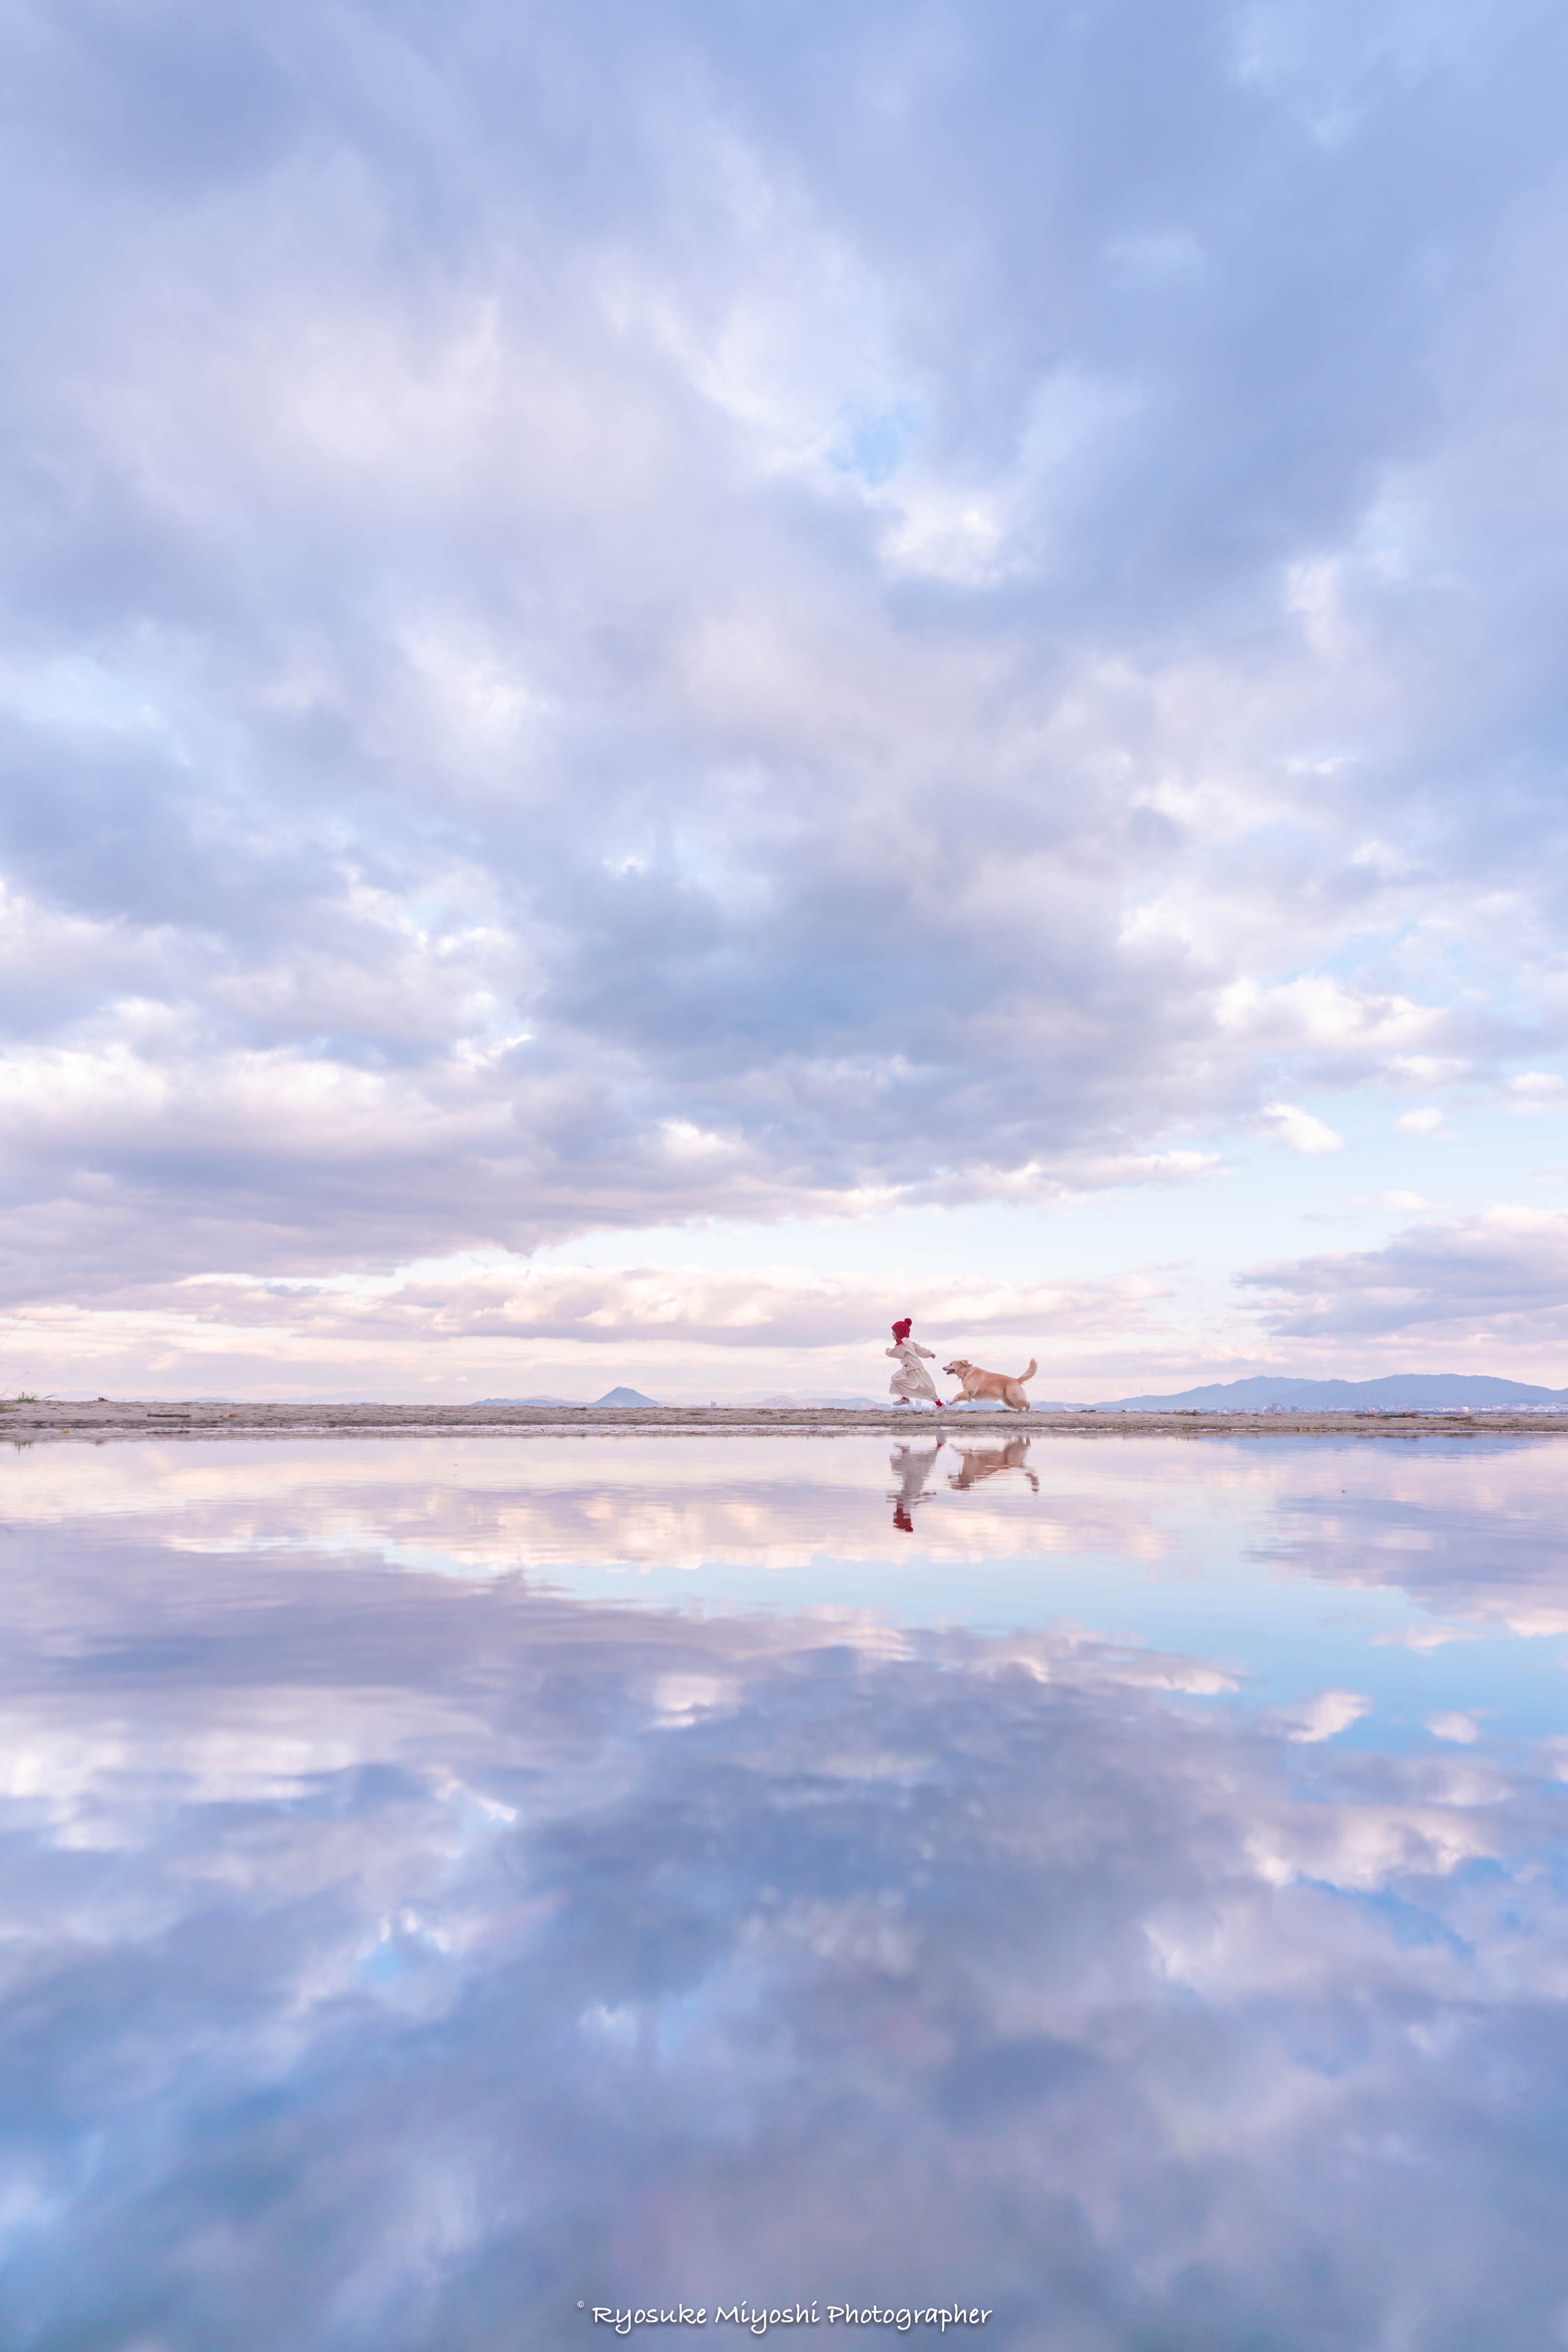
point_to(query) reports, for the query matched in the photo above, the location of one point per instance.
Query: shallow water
(1118, 1884)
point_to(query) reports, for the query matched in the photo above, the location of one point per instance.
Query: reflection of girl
(911, 1381)
(911, 1465)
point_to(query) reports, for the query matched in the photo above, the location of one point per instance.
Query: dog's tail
(1033, 1368)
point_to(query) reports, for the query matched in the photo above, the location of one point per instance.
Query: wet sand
(109, 1419)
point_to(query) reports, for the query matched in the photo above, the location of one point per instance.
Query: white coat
(912, 1380)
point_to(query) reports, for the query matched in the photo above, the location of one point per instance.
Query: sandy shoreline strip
(107, 1420)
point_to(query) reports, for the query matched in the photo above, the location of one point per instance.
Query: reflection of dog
(991, 1387)
(985, 1461)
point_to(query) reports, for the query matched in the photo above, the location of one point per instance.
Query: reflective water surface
(1118, 1884)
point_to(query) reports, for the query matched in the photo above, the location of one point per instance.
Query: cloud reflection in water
(393, 1958)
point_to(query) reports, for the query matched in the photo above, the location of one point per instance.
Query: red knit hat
(901, 1327)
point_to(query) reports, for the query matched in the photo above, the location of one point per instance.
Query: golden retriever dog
(990, 1388)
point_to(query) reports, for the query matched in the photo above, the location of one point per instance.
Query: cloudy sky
(675, 678)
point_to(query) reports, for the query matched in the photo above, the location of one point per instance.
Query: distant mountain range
(1407, 1391)
(802, 1403)
(561, 1400)
(611, 1396)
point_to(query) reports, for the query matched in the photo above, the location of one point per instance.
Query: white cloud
(502, 1325)
(1301, 1129)
(1503, 1276)
(1425, 1121)
(1422, 1637)
(1537, 1090)
(1451, 1725)
(1320, 1012)
(1325, 1716)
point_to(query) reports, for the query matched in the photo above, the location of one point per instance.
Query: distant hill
(625, 1396)
(1418, 1391)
